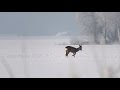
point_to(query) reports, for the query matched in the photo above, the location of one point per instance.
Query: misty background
(81, 27)
(37, 23)
(33, 57)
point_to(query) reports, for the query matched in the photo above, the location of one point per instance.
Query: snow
(45, 58)
(61, 34)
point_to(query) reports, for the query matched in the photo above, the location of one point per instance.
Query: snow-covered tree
(99, 25)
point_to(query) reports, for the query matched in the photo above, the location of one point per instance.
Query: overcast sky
(37, 23)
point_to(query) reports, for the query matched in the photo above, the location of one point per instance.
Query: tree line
(100, 27)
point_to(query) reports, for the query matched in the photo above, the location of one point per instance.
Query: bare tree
(89, 24)
(112, 22)
(117, 22)
(105, 29)
(93, 23)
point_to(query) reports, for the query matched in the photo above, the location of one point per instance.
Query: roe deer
(72, 50)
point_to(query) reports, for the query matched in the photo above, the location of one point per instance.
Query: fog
(32, 44)
(36, 23)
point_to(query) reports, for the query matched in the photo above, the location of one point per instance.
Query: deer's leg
(74, 54)
(67, 52)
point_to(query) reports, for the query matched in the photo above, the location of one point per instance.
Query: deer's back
(71, 49)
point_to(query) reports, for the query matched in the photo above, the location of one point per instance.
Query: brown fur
(72, 50)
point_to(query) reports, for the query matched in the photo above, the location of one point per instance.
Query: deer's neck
(77, 49)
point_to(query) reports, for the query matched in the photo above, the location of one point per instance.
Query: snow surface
(45, 58)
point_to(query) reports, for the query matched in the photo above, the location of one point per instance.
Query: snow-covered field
(45, 58)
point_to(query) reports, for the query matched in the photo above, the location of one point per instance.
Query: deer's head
(80, 47)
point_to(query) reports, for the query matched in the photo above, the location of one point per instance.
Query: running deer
(72, 50)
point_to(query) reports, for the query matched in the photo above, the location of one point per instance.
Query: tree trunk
(95, 28)
(105, 32)
(118, 32)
